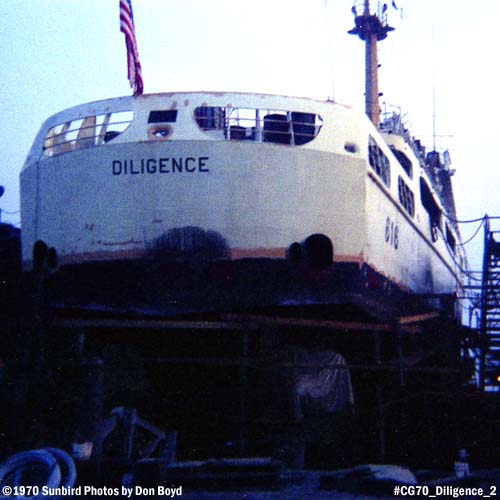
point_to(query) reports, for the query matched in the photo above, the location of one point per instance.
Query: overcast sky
(58, 53)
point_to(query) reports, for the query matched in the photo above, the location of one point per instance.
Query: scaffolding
(208, 376)
(393, 363)
(489, 328)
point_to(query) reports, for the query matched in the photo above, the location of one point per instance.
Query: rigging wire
(470, 274)
(466, 272)
(7, 212)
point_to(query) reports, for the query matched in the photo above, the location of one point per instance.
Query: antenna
(330, 56)
(433, 91)
(2, 191)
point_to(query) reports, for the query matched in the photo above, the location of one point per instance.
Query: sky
(59, 53)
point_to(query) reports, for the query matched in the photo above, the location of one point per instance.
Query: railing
(85, 132)
(259, 125)
(393, 121)
(371, 8)
(235, 124)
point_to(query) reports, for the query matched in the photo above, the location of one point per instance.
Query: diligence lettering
(144, 166)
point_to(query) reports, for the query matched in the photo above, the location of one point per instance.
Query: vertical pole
(371, 27)
(433, 93)
(258, 128)
(371, 73)
(367, 8)
(371, 79)
(484, 305)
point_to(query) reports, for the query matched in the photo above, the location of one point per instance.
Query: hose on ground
(49, 467)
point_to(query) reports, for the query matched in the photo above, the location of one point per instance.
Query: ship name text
(189, 164)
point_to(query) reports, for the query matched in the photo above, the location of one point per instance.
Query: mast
(370, 19)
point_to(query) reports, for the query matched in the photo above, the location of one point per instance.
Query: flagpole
(127, 27)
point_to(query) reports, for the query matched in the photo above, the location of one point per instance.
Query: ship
(245, 198)
(326, 226)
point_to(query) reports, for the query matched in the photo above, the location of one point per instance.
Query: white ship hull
(196, 191)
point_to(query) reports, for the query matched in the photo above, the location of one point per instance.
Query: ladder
(489, 327)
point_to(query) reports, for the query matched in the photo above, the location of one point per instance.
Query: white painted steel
(259, 196)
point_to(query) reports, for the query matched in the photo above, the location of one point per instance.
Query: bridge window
(404, 161)
(93, 130)
(379, 162)
(450, 239)
(260, 125)
(432, 208)
(163, 116)
(159, 128)
(406, 197)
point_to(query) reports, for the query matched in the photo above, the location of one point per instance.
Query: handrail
(70, 137)
(259, 125)
(371, 8)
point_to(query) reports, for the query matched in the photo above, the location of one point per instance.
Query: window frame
(379, 161)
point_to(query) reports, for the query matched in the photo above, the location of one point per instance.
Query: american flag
(128, 29)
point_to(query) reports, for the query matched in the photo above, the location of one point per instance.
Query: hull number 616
(391, 233)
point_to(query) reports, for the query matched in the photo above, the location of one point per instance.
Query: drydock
(225, 276)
